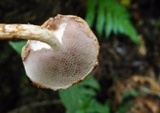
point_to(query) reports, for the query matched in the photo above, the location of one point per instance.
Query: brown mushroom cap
(71, 63)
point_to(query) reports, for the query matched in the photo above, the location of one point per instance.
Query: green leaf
(120, 26)
(17, 45)
(124, 107)
(90, 105)
(70, 98)
(91, 82)
(115, 24)
(116, 19)
(90, 15)
(100, 19)
(109, 24)
(128, 93)
(80, 98)
(78, 95)
(131, 32)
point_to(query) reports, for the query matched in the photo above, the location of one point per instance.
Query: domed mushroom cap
(70, 63)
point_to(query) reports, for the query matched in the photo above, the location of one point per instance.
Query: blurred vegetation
(128, 77)
(110, 17)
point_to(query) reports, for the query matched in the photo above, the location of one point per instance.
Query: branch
(31, 106)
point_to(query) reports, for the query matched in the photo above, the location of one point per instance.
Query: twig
(34, 105)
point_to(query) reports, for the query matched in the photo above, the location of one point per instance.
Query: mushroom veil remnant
(60, 53)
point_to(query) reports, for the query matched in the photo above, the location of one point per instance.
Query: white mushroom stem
(29, 32)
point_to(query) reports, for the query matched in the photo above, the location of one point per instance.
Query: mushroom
(58, 54)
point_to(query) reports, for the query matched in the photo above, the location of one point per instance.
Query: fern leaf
(108, 24)
(100, 19)
(90, 15)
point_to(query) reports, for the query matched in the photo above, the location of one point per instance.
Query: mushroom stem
(29, 32)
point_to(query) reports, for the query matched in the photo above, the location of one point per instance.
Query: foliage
(17, 46)
(131, 92)
(110, 16)
(80, 98)
(124, 107)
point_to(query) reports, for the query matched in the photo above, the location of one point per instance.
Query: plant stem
(29, 32)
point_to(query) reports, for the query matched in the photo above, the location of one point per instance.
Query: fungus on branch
(60, 53)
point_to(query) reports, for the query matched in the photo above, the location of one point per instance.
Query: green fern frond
(91, 4)
(110, 17)
(100, 19)
(108, 24)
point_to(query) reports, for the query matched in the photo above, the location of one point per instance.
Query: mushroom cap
(71, 63)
